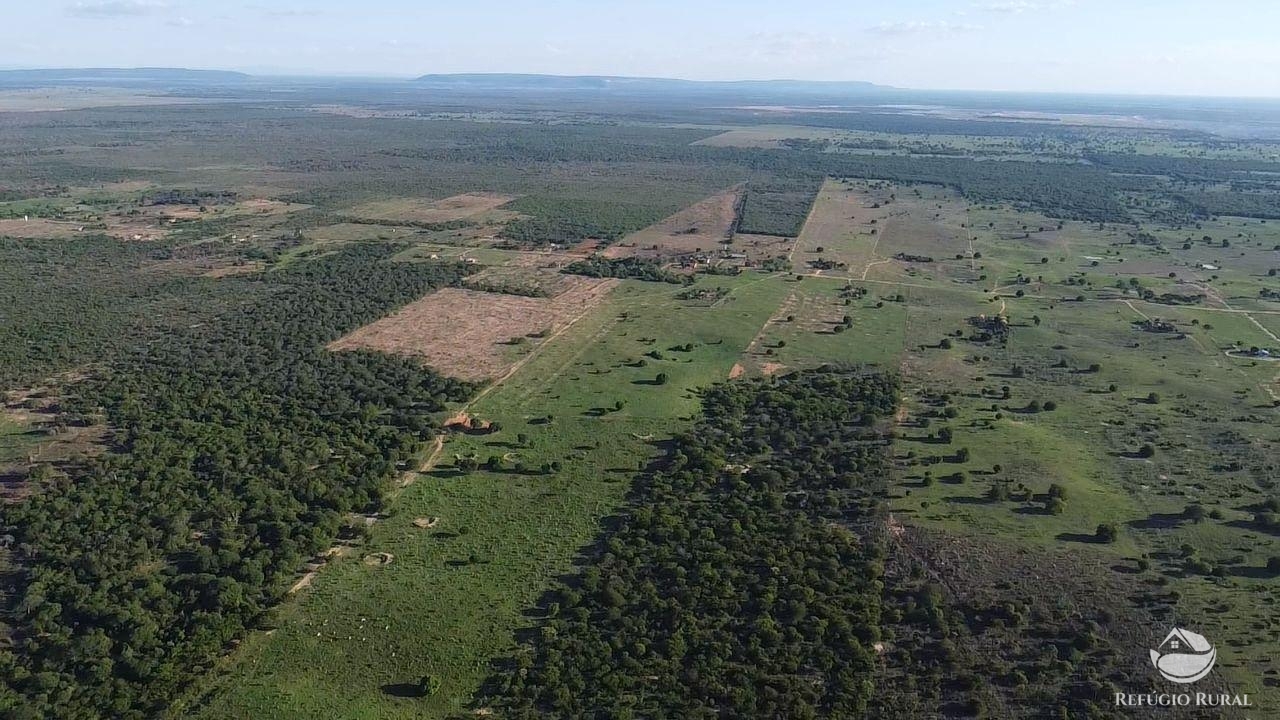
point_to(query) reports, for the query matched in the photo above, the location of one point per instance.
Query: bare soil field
(458, 207)
(700, 228)
(38, 228)
(470, 334)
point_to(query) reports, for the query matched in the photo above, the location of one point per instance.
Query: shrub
(1107, 532)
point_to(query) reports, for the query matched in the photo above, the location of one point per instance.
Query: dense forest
(734, 587)
(237, 450)
(777, 208)
(66, 303)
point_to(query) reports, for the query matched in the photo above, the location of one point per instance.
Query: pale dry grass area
(416, 210)
(39, 228)
(475, 335)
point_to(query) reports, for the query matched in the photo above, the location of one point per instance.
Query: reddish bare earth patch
(476, 335)
(772, 368)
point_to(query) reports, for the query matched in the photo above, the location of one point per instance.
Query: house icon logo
(1184, 657)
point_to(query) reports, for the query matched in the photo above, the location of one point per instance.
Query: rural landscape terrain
(523, 397)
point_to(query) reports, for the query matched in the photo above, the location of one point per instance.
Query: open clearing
(700, 228)
(840, 235)
(38, 228)
(71, 98)
(450, 209)
(475, 335)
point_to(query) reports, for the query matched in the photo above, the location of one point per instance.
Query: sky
(1166, 47)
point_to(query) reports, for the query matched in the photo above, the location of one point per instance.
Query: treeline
(237, 450)
(633, 268)
(1243, 204)
(779, 207)
(734, 587)
(566, 221)
(1184, 168)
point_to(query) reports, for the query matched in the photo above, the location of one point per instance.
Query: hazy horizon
(1048, 46)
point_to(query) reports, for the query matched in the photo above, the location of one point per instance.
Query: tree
(661, 379)
(428, 685)
(1107, 532)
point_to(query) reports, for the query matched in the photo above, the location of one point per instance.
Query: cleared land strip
(415, 210)
(473, 335)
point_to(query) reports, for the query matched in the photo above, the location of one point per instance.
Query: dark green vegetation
(733, 586)
(64, 304)
(777, 208)
(237, 449)
(634, 268)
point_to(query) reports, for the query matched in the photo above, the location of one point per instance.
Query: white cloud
(793, 45)
(116, 8)
(1017, 7)
(288, 12)
(921, 26)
